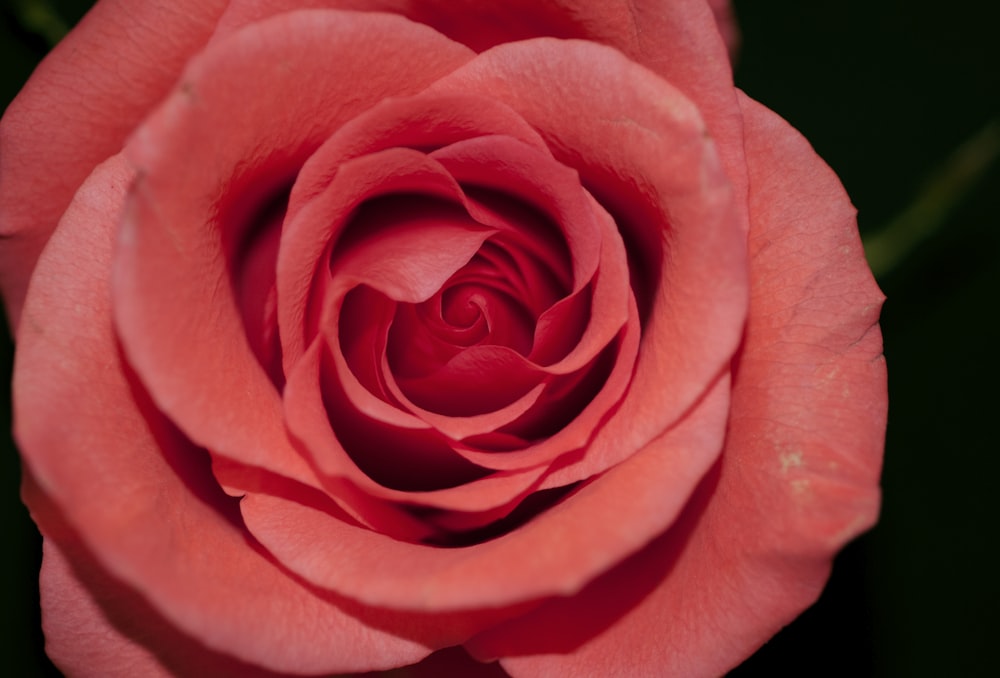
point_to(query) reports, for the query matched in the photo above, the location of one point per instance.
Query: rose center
(476, 313)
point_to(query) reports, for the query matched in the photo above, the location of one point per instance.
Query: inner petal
(424, 337)
(401, 458)
(477, 380)
(508, 323)
(406, 246)
(342, 225)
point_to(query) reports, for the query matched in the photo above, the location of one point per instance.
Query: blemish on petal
(789, 460)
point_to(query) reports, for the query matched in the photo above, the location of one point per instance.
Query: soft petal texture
(140, 496)
(727, 24)
(77, 109)
(798, 477)
(308, 421)
(674, 207)
(96, 625)
(79, 636)
(314, 227)
(679, 40)
(174, 304)
(569, 544)
(423, 121)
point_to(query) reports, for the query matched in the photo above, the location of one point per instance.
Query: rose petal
(569, 544)
(96, 625)
(683, 30)
(405, 248)
(416, 122)
(565, 416)
(78, 634)
(309, 419)
(455, 389)
(679, 40)
(455, 404)
(309, 297)
(254, 276)
(56, 130)
(798, 477)
(348, 181)
(814, 350)
(139, 495)
(395, 453)
(398, 250)
(641, 150)
(728, 28)
(423, 122)
(174, 303)
(319, 221)
(590, 235)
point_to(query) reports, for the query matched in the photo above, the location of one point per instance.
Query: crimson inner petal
(489, 322)
(426, 336)
(477, 380)
(403, 459)
(533, 245)
(508, 323)
(565, 397)
(253, 244)
(534, 283)
(520, 275)
(442, 350)
(365, 318)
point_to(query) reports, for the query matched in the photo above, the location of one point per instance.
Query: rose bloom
(466, 334)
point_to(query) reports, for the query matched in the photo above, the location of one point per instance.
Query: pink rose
(345, 337)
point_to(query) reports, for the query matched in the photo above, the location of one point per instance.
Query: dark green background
(885, 90)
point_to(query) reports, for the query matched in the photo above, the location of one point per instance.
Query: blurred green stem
(943, 192)
(40, 18)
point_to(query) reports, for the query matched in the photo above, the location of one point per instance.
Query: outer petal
(79, 636)
(728, 28)
(140, 497)
(77, 109)
(678, 39)
(96, 626)
(798, 477)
